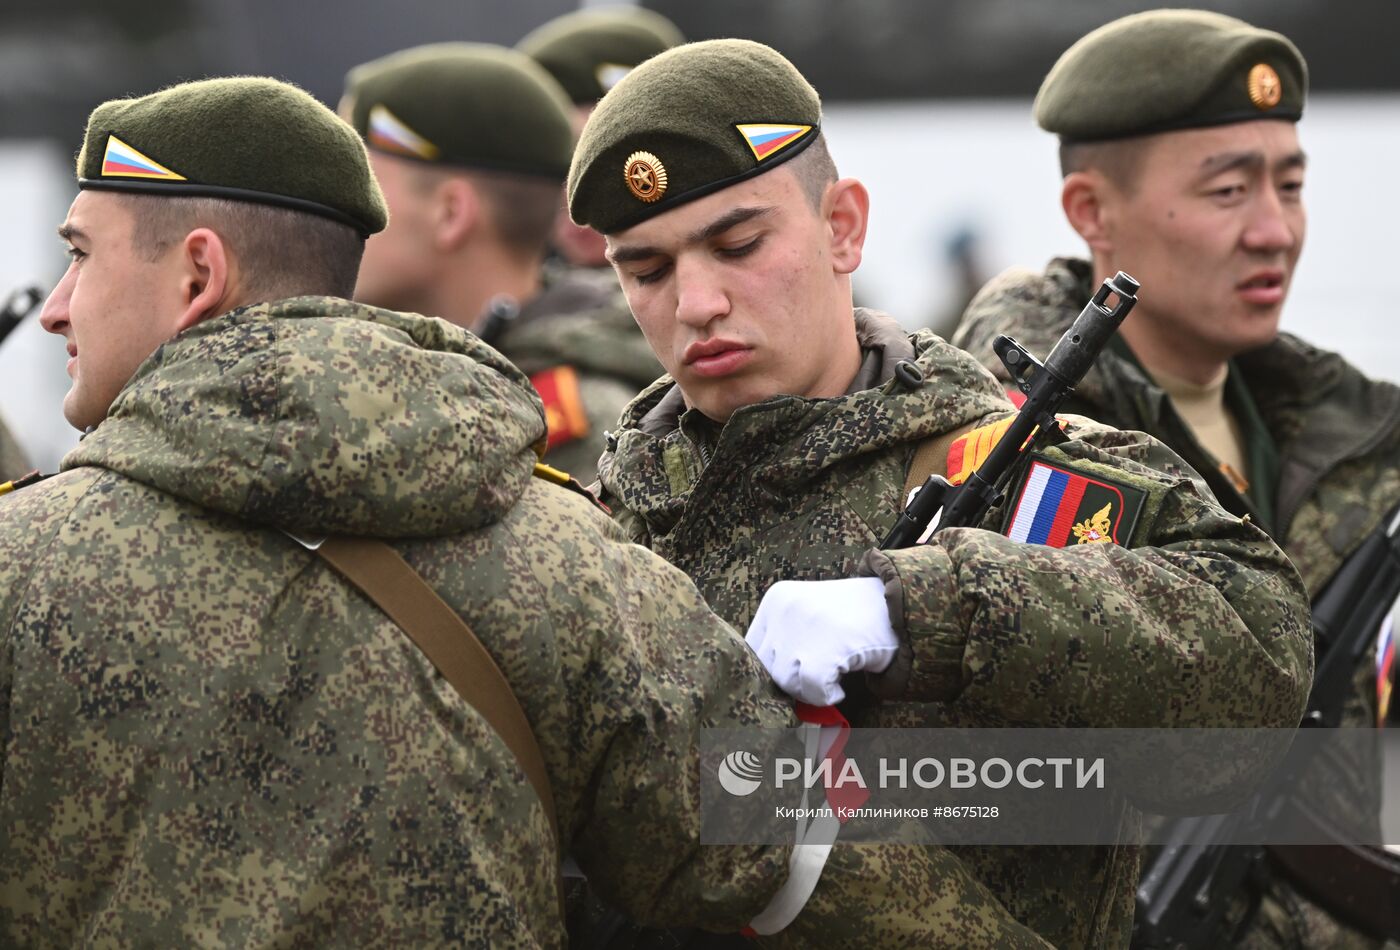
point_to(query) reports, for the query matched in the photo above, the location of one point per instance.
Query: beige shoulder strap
(444, 637)
(931, 458)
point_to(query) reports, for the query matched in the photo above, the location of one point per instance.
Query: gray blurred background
(927, 101)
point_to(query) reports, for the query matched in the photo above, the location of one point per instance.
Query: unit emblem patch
(1058, 505)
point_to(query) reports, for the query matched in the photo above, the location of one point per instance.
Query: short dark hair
(814, 170)
(1119, 160)
(283, 253)
(520, 207)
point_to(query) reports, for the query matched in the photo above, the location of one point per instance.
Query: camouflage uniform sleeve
(668, 669)
(1202, 622)
(654, 670)
(912, 896)
(31, 519)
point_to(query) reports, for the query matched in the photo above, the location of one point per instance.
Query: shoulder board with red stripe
(1060, 505)
(563, 404)
(968, 452)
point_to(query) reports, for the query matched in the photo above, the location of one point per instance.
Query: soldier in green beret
(780, 446)
(1182, 164)
(471, 143)
(588, 52)
(210, 736)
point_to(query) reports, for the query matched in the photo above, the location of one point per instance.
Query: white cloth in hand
(808, 633)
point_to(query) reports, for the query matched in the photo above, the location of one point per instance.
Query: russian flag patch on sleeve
(1058, 506)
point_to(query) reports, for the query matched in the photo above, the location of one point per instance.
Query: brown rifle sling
(446, 640)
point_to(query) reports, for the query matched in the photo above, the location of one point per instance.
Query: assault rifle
(18, 305)
(1185, 891)
(1046, 387)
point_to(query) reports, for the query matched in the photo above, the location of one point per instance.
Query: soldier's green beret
(588, 52)
(472, 105)
(1170, 69)
(686, 123)
(243, 138)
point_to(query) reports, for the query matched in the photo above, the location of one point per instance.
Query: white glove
(808, 633)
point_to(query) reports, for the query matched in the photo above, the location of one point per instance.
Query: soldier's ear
(1085, 200)
(848, 213)
(457, 212)
(208, 284)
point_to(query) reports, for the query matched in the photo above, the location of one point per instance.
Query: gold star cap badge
(645, 176)
(1265, 89)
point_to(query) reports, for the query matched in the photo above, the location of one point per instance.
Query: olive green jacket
(581, 320)
(1202, 622)
(207, 737)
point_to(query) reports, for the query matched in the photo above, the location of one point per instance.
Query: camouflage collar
(788, 441)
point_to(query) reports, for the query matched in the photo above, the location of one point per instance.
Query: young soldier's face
(743, 294)
(114, 304)
(1213, 227)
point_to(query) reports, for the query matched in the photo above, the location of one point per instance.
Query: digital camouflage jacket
(582, 349)
(1337, 438)
(1200, 622)
(209, 738)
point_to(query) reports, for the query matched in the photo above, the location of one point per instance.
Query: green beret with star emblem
(1170, 69)
(240, 138)
(588, 52)
(686, 123)
(472, 105)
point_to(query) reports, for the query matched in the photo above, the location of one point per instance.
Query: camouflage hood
(319, 415)
(788, 442)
